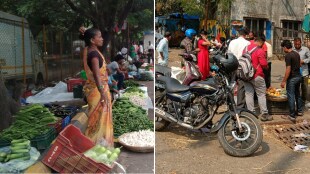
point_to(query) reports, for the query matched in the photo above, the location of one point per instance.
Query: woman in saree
(97, 92)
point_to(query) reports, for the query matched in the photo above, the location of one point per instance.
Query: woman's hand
(82, 30)
(104, 100)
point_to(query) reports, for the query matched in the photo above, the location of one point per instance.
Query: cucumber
(15, 151)
(18, 141)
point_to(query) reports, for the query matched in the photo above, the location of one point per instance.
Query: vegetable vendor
(97, 92)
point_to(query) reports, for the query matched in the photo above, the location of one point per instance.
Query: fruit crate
(277, 107)
(43, 141)
(66, 154)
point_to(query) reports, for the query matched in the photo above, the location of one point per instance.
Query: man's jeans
(293, 95)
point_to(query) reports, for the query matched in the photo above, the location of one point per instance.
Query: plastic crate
(73, 82)
(66, 154)
(42, 142)
(4, 143)
(66, 121)
(58, 125)
(278, 107)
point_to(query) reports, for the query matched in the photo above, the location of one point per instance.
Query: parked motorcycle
(191, 69)
(194, 106)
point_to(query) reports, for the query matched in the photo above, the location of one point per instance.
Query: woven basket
(134, 148)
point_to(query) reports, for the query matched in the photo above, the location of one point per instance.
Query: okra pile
(128, 117)
(31, 121)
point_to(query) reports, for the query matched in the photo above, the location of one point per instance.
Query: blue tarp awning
(305, 23)
(185, 16)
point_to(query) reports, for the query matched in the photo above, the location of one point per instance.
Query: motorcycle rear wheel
(242, 144)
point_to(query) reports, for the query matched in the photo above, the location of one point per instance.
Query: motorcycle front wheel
(244, 143)
(160, 124)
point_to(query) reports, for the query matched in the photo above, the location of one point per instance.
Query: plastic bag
(16, 165)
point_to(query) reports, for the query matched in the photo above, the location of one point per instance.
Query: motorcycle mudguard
(227, 115)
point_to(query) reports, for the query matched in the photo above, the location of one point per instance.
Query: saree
(100, 121)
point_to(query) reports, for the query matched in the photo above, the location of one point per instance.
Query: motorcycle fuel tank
(209, 86)
(179, 97)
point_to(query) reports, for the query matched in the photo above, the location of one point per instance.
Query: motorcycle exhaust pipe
(166, 116)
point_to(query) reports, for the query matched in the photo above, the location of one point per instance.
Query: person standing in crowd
(257, 84)
(132, 51)
(158, 36)
(115, 69)
(187, 42)
(203, 55)
(162, 49)
(150, 52)
(292, 80)
(236, 47)
(304, 54)
(96, 90)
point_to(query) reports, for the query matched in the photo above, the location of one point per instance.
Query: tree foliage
(67, 15)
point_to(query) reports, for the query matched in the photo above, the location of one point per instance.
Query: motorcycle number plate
(159, 111)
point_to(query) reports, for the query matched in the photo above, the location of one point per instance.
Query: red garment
(259, 60)
(203, 59)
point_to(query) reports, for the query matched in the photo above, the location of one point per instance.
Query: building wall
(273, 10)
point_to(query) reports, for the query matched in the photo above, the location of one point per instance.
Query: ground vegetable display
(128, 117)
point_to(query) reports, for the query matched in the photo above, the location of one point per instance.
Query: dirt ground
(179, 150)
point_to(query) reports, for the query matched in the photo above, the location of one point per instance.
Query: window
(290, 28)
(255, 24)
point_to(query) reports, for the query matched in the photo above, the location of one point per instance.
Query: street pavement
(179, 150)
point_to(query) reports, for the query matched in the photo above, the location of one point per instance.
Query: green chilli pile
(128, 117)
(31, 121)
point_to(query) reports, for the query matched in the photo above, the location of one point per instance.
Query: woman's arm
(96, 73)
(205, 41)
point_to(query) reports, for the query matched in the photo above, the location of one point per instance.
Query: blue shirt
(304, 54)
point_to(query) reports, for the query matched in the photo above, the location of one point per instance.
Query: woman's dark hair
(287, 44)
(89, 34)
(203, 32)
(118, 58)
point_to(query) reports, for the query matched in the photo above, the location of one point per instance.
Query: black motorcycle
(194, 107)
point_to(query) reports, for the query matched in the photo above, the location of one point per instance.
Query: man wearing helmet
(187, 42)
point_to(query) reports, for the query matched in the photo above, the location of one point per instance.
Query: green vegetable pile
(131, 83)
(19, 150)
(103, 155)
(128, 117)
(134, 89)
(31, 121)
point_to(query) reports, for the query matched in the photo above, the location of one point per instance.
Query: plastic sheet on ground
(16, 165)
(301, 148)
(52, 94)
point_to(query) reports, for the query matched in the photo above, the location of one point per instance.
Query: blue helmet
(190, 33)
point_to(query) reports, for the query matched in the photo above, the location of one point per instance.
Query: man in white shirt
(236, 47)
(304, 60)
(162, 49)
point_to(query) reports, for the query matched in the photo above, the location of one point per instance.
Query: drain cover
(292, 135)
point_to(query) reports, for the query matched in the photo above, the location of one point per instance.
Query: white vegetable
(143, 138)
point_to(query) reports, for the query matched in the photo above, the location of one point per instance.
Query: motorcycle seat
(166, 71)
(173, 85)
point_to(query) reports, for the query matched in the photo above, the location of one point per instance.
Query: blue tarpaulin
(268, 30)
(305, 23)
(185, 16)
